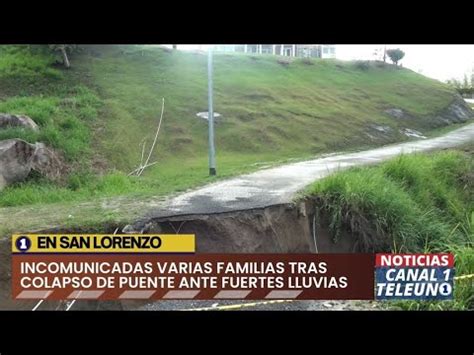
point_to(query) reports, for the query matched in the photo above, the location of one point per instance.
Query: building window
(325, 50)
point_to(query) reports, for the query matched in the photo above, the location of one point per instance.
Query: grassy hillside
(267, 108)
(422, 203)
(100, 111)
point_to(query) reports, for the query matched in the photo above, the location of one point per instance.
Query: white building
(289, 50)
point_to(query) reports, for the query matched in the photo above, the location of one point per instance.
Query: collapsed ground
(419, 203)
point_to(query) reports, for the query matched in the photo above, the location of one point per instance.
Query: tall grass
(413, 203)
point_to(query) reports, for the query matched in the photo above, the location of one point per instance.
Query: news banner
(166, 266)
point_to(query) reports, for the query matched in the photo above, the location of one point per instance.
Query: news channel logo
(414, 277)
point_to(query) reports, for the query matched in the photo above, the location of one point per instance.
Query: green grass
(288, 111)
(63, 120)
(440, 131)
(416, 203)
(98, 113)
(82, 186)
(25, 64)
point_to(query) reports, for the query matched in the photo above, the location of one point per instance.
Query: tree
(454, 83)
(64, 49)
(463, 87)
(395, 55)
(465, 83)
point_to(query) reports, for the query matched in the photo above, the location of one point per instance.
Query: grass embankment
(422, 203)
(98, 113)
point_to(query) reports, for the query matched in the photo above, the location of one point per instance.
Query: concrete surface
(280, 184)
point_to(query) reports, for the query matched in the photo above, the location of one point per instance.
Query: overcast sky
(441, 62)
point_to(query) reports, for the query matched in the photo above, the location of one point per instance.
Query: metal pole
(212, 150)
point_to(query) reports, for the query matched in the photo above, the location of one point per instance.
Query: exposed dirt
(285, 228)
(275, 229)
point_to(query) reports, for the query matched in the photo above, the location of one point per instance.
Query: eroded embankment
(286, 228)
(300, 227)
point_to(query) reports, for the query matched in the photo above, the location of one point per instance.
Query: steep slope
(303, 108)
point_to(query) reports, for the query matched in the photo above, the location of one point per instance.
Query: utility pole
(210, 116)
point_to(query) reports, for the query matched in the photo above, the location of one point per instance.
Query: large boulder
(396, 113)
(459, 111)
(48, 162)
(18, 158)
(8, 120)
